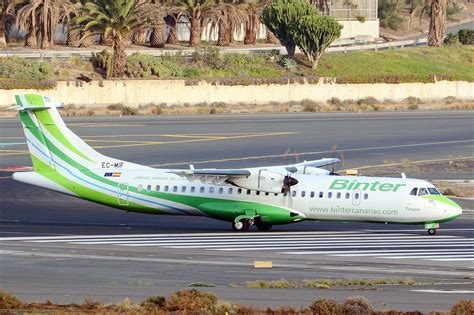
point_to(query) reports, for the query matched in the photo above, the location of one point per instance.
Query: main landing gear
(244, 224)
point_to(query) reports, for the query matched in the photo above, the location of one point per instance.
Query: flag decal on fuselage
(112, 174)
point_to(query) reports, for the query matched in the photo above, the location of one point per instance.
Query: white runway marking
(445, 291)
(394, 245)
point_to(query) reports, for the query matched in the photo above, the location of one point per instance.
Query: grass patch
(324, 283)
(398, 66)
(201, 285)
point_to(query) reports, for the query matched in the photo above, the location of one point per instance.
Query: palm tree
(40, 18)
(171, 20)
(195, 11)
(254, 11)
(437, 22)
(116, 19)
(3, 8)
(162, 8)
(228, 15)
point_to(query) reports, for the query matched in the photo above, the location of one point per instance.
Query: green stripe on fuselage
(442, 199)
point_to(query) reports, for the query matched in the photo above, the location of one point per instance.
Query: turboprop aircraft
(262, 196)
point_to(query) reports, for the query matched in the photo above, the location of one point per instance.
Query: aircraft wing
(212, 176)
(314, 163)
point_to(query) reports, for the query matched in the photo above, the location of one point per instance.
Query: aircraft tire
(431, 231)
(241, 226)
(263, 226)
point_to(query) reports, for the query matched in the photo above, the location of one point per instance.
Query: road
(64, 249)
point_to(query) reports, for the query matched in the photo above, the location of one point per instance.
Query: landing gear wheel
(241, 226)
(263, 226)
(431, 231)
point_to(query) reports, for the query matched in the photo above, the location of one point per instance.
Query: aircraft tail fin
(50, 142)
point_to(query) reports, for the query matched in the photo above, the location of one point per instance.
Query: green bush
(103, 61)
(147, 66)
(451, 39)
(453, 9)
(389, 13)
(21, 69)
(466, 36)
(287, 63)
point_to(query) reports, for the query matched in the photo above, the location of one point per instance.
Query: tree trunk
(271, 38)
(72, 38)
(222, 38)
(172, 36)
(437, 23)
(230, 32)
(251, 31)
(290, 49)
(139, 37)
(30, 39)
(156, 38)
(119, 58)
(3, 39)
(86, 42)
(195, 37)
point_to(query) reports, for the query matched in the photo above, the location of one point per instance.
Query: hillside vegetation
(391, 66)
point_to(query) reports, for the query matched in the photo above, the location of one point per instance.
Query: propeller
(333, 155)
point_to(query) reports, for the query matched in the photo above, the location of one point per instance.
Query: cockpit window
(434, 191)
(422, 192)
(414, 191)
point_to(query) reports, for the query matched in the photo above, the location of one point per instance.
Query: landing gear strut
(242, 225)
(431, 231)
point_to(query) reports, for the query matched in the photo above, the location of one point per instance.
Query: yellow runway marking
(95, 125)
(199, 140)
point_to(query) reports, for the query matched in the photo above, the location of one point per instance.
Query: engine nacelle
(262, 180)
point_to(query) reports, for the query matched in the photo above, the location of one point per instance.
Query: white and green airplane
(262, 196)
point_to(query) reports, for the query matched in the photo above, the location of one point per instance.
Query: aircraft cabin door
(356, 197)
(122, 194)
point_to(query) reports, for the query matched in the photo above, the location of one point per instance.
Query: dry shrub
(334, 101)
(326, 307)
(9, 301)
(463, 307)
(368, 101)
(154, 302)
(357, 305)
(192, 301)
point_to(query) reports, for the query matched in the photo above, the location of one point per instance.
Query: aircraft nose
(456, 209)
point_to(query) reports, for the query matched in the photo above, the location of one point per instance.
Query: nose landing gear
(431, 228)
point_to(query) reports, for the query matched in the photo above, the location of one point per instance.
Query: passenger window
(221, 190)
(329, 195)
(266, 194)
(311, 194)
(321, 194)
(248, 192)
(183, 189)
(231, 191)
(201, 190)
(175, 188)
(422, 192)
(338, 195)
(193, 189)
(239, 191)
(366, 196)
(303, 193)
(293, 193)
(166, 188)
(348, 195)
(275, 194)
(285, 193)
(140, 187)
(148, 187)
(356, 196)
(414, 191)
(211, 190)
(157, 188)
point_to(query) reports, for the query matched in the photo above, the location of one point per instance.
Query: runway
(57, 247)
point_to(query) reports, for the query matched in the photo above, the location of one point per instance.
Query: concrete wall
(137, 92)
(355, 28)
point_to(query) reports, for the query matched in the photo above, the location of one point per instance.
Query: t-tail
(61, 160)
